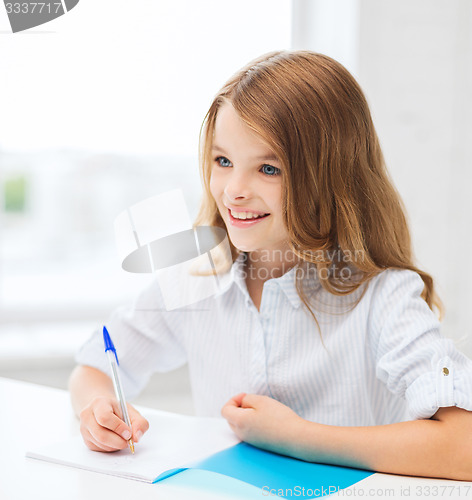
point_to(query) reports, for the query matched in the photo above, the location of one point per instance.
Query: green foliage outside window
(14, 194)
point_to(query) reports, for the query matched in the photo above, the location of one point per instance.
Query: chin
(243, 247)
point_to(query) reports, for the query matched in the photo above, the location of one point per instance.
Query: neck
(263, 265)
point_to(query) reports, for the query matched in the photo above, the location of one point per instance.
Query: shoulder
(150, 296)
(396, 293)
(392, 282)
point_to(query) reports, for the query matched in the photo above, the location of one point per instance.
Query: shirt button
(445, 371)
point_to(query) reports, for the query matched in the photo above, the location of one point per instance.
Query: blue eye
(270, 170)
(222, 161)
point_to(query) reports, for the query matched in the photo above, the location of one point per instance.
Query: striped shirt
(379, 362)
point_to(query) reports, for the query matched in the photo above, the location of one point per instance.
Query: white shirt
(383, 361)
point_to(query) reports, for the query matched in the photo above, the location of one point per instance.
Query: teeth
(244, 215)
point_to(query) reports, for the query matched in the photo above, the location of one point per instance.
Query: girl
(324, 345)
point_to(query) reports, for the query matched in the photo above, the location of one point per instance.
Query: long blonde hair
(337, 193)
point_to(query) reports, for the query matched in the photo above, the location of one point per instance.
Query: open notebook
(173, 443)
(177, 442)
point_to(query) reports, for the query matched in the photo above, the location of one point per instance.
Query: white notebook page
(173, 441)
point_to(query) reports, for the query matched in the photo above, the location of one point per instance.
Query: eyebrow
(269, 156)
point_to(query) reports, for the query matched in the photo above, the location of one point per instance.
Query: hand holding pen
(115, 376)
(100, 413)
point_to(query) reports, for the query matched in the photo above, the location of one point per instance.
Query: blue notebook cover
(278, 474)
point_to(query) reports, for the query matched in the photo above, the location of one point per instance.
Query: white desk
(31, 414)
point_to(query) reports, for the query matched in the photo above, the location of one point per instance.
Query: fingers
(233, 409)
(251, 400)
(100, 439)
(138, 423)
(238, 399)
(110, 419)
(242, 400)
(96, 445)
(101, 428)
(234, 402)
(230, 411)
(242, 407)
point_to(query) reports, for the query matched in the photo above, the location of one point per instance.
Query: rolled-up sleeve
(146, 338)
(412, 358)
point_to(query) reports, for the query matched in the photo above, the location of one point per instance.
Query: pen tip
(131, 446)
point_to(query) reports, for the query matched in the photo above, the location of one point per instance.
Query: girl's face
(246, 183)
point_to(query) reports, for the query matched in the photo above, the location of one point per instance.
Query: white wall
(416, 67)
(100, 109)
(128, 76)
(414, 62)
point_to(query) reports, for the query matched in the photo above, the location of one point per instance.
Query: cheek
(276, 197)
(216, 186)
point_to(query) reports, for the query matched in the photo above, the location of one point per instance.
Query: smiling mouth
(247, 220)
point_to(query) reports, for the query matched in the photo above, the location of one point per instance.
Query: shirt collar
(288, 285)
(233, 276)
(237, 276)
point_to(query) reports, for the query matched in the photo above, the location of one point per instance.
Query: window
(102, 108)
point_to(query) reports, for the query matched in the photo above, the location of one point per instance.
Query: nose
(238, 186)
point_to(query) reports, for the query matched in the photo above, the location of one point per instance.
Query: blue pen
(120, 395)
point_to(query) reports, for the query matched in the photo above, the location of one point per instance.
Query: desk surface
(31, 414)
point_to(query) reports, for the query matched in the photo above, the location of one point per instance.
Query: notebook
(173, 443)
(176, 442)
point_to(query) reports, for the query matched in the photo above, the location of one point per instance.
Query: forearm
(87, 383)
(419, 448)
